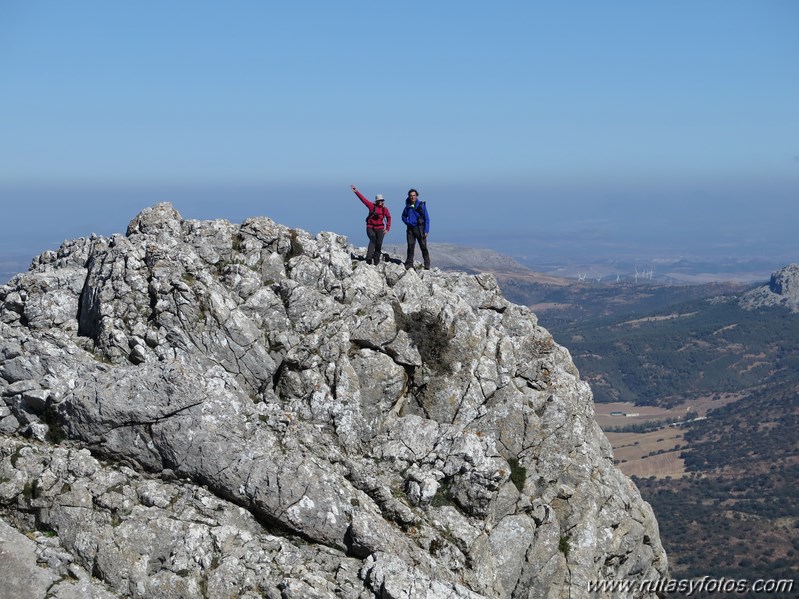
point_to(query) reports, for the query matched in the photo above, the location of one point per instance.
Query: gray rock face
(204, 409)
(782, 290)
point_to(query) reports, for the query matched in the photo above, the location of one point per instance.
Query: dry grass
(649, 454)
(655, 453)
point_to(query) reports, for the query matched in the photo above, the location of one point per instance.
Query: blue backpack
(419, 209)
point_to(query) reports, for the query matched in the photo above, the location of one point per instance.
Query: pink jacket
(379, 218)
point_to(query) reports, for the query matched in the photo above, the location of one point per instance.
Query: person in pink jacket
(378, 223)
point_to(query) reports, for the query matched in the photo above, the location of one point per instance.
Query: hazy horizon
(550, 132)
(547, 239)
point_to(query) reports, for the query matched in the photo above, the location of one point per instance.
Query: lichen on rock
(201, 408)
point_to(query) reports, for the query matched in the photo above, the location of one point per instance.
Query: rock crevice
(269, 416)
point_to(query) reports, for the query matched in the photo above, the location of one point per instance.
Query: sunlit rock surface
(206, 409)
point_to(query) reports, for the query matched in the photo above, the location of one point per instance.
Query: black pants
(375, 250)
(413, 235)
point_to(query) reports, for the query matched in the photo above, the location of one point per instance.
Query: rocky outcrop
(205, 409)
(782, 290)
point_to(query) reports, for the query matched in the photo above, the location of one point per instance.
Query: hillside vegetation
(565, 305)
(692, 349)
(736, 513)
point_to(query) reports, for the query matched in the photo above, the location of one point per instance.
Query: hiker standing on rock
(417, 220)
(378, 223)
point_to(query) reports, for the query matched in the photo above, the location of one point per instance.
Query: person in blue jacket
(417, 220)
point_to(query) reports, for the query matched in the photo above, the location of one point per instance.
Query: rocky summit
(208, 409)
(782, 290)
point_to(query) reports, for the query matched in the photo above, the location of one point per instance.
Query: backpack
(373, 215)
(419, 208)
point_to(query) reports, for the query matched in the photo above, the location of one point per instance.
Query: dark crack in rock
(205, 409)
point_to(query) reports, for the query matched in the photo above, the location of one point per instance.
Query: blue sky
(670, 121)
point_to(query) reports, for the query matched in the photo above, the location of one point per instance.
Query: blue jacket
(415, 216)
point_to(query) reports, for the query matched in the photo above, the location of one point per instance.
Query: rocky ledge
(206, 409)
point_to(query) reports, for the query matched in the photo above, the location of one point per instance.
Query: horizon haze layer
(575, 137)
(597, 251)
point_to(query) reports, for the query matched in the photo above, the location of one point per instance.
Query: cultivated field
(649, 454)
(654, 453)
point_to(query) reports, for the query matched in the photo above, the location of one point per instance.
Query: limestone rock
(200, 408)
(782, 290)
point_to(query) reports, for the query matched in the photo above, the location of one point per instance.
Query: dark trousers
(413, 235)
(375, 250)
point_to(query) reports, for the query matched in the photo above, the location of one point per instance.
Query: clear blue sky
(677, 120)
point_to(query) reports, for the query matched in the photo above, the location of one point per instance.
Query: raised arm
(369, 204)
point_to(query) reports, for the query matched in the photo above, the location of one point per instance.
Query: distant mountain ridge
(725, 343)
